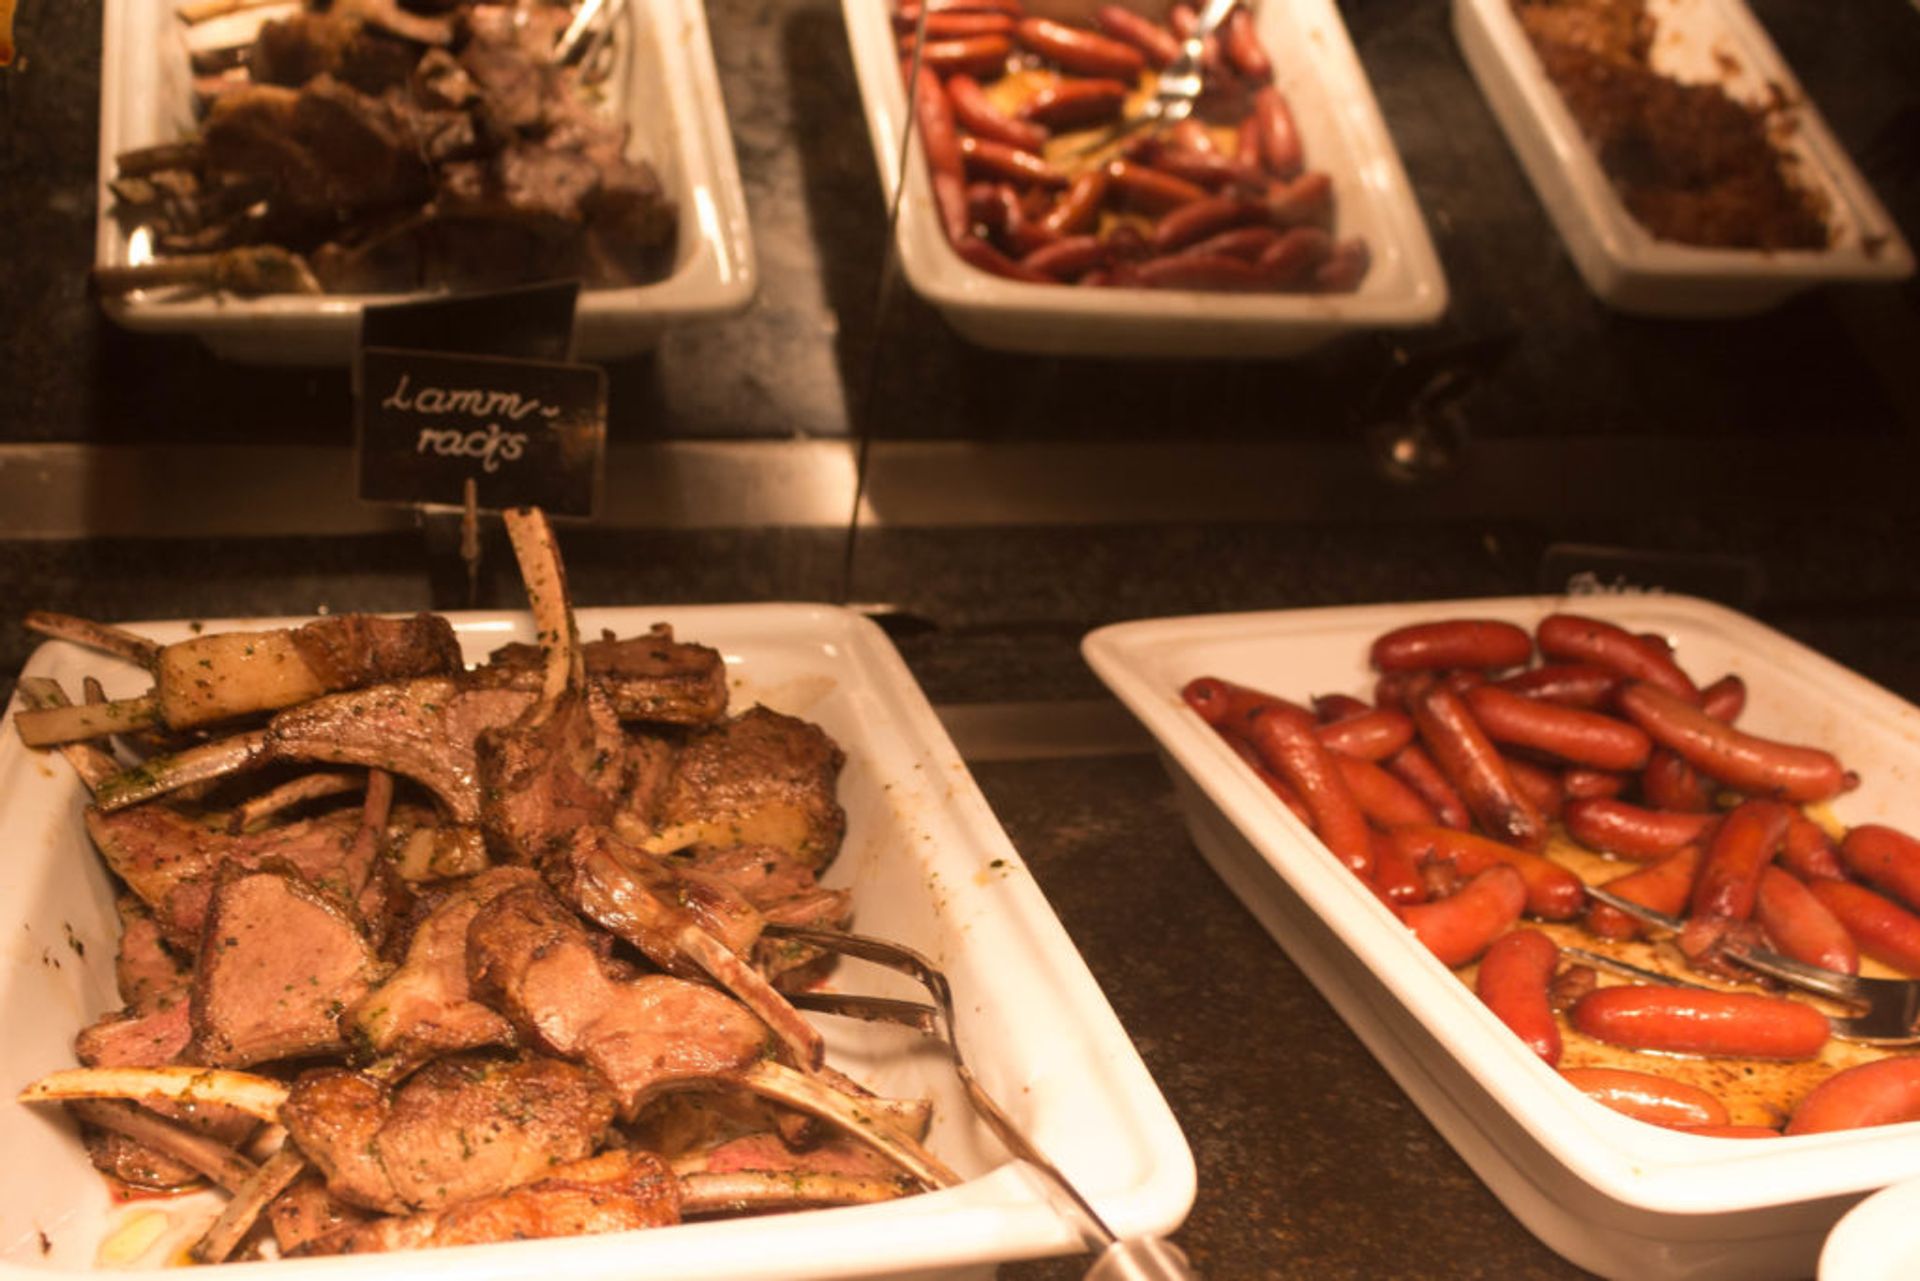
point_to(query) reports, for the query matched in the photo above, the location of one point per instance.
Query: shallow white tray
(928, 866)
(1343, 134)
(1613, 1195)
(1714, 41)
(667, 90)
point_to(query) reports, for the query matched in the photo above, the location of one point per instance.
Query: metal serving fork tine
(1887, 1011)
(1134, 1259)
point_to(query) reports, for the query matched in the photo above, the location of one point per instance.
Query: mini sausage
(964, 56)
(978, 253)
(1460, 927)
(973, 109)
(1801, 926)
(1296, 255)
(1085, 53)
(1576, 638)
(1345, 266)
(1224, 704)
(1633, 831)
(1646, 1097)
(1412, 766)
(1240, 42)
(1373, 734)
(1076, 103)
(1281, 789)
(1538, 784)
(1068, 258)
(1664, 886)
(1077, 210)
(1885, 858)
(1725, 699)
(1571, 733)
(1552, 891)
(1514, 981)
(1675, 1020)
(990, 159)
(1669, 783)
(1146, 189)
(1395, 878)
(1278, 136)
(1155, 42)
(1585, 685)
(1456, 642)
(1386, 801)
(1884, 930)
(1809, 853)
(1884, 1092)
(1741, 847)
(1476, 769)
(1582, 784)
(1289, 747)
(1201, 218)
(1757, 766)
(1202, 271)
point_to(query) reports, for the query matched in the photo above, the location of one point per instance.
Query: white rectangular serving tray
(928, 866)
(1343, 134)
(664, 86)
(1614, 1195)
(1700, 41)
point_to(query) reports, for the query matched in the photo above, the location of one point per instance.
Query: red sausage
(1198, 219)
(990, 159)
(973, 109)
(1244, 243)
(1884, 930)
(1241, 45)
(1552, 891)
(1396, 878)
(1384, 799)
(1154, 41)
(1887, 859)
(1456, 642)
(1800, 925)
(1225, 705)
(1337, 707)
(1591, 784)
(1146, 189)
(1758, 766)
(1631, 831)
(1345, 267)
(1570, 684)
(1075, 104)
(1514, 980)
(1669, 783)
(1306, 201)
(1570, 733)
(1077, 211)
(1412, 766)
(1085, 53)
(1742, 846)
(1576, 638)
(1646, 1097)
(1068, 258)
(1725, 699)
(1678, 1020)
(1470, 762)
(1461, 926)
(1207, 169)
(1885, 1092)
(1289, 747)
(966, 56)
(1541, 786)
(956, 26)
(1373, 735)
(1296, 255)
(1809, 853)
(1664, 886)
(977, 252)
(1202, 271)
(1275, 784)
(909, 11)
(1279, 139)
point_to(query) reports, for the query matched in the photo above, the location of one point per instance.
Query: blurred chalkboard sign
(469, 402)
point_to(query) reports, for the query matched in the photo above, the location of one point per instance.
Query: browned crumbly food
(1691, 164)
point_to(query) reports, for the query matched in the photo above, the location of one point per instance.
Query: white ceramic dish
(1715, 41)
(668, 91)
(928, 866)
(1877, 1240)
(1616, 1196)
(1343, 134)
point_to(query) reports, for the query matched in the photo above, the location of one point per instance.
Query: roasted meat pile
(1690, 162)
(486, 947)
(400, 145)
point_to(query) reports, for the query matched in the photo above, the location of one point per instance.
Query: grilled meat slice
(307, 1211)
(424, 1008)
(761, 778)
(462, 1127)
(279, 961)
(616, 1191)
(652, 678)
(147, 972)
(561, 768)
(533, 960)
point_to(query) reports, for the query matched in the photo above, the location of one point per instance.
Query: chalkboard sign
(526, 432)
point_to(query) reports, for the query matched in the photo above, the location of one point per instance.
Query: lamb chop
(462, 1127)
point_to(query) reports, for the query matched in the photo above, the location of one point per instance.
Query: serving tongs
(1885, 1011)
(1115, 1259)
(1176, 89)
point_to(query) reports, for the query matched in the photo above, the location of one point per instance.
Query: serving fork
(1176, 89)
(1884, 1011)
(1115, 1259)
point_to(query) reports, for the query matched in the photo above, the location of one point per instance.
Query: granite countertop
(1763, 461)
